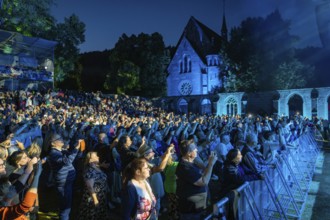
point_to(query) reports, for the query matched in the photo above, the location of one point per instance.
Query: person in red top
(18, 211)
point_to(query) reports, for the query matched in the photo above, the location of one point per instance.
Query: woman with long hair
(138, 201)
(94, 201)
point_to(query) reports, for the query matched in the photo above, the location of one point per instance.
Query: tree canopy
(263, 48)
(141, 61)
(33, 18)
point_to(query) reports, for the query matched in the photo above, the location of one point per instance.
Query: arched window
(216, 61)
(231, 107)
(186, 64)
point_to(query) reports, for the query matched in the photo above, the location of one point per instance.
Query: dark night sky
(107, 20)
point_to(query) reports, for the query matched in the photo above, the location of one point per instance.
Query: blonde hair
(88, 157)
(35, 150)
(170, 160)
(3, 153)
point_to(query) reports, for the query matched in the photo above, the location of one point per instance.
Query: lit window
(231, 107)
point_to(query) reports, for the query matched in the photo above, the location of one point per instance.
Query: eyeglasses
(2, 165)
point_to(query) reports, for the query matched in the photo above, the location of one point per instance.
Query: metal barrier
(219, 210)
(283, 193)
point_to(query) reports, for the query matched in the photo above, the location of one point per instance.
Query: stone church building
(193, 75)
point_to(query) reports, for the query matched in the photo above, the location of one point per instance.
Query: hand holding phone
(213, 158)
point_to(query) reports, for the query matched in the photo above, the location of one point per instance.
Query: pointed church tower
(224, 31)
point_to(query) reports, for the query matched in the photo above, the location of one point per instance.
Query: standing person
(235, 174)
(18, 159)
(138, 201)
(18, 211)
(223, 148)
(94, 201)
(325, 124)
(123, 148)
(191, 183)
(170, 187)
(157, 165)
(252, 158)
(9, 191)
(60, 161)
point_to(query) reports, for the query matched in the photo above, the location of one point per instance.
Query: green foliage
(148, 53)
(70, 35)
(293, 74)
(73, 79)
(232, 76)
(260, 46)
(128, 78)
(30, 18)
(33, 18)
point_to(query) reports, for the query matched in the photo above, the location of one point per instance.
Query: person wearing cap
(191, 183)
(60, 161)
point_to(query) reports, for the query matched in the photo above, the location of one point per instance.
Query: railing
(283, 193)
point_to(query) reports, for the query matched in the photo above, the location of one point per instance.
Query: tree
(70, 35)
(30, 18)
(232, 76)
(259, 46)
(148, 53)
(292, 74)
(128, 78)
(33, 18)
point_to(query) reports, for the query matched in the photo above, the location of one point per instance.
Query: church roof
(204, 40)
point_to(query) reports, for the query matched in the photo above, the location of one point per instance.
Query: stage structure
(26, 63)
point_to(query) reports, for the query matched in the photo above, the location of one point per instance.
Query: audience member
(138, 200)
(191, 184)
(94, 200)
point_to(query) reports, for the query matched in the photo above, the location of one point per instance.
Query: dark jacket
(126, 156)
(129, 201)
(235, 176)
(253, 161)
(61, 164)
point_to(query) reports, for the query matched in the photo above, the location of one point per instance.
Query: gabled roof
(204, 40)
(16, 44)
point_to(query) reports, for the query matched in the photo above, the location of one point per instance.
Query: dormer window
(213, 61)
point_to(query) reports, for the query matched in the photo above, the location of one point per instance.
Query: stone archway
(206, 106)
(304, 97)
(182, 106)
(295, 105)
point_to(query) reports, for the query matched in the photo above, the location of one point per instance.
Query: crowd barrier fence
(283, 192)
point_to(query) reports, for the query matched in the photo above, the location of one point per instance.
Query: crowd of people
(130, 154)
